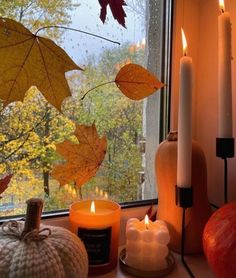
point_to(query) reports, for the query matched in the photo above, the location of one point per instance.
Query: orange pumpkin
(219, 241)
(198, 214)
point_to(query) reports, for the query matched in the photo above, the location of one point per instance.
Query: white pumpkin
(32, 250)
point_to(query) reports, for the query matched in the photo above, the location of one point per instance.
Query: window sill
(197, 263)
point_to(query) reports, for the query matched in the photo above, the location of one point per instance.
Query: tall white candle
(184, 157)
(224, 73)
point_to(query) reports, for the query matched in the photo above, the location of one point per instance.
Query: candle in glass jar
(97, 223)
(224, 73)
(184, 157)
(146, 244)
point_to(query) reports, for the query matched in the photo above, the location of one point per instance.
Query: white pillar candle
(146, 244)
(184, 157)
(224, 73)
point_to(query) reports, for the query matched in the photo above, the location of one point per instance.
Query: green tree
(35, 14)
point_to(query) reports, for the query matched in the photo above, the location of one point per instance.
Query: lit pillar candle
(97, 223)
(184, 156)
(224, 73)
(146, 244)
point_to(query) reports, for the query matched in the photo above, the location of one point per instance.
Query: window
(30, 130)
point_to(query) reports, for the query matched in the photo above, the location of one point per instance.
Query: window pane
(29, 131)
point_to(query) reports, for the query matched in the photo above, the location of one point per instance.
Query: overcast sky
(86, 17)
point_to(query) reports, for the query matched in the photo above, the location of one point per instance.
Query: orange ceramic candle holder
(99, 231)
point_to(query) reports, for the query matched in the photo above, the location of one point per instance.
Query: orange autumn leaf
(136, 82)
(83, 159)
(29, 60)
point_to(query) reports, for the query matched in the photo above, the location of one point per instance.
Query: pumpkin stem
(33, 215)
(172, 136)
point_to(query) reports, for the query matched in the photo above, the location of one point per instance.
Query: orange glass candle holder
(99, 229)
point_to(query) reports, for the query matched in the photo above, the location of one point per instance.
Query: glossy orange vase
(199, 213)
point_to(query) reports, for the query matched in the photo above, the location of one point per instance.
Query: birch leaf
(136, 82)
(30, 60)
(83, 159)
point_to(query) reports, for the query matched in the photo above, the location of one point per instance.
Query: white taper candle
(224, 74)
(184, 157)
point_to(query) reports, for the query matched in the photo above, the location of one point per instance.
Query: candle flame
(184, 42)
(222, 5)
(146, 221)
(92, 208)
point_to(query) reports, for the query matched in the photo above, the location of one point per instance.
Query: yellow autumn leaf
(83, 159)
(30, 60)
(136, 82)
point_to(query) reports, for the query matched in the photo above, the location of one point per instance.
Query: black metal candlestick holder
(184, 199)
(224, 150)
(184, 196)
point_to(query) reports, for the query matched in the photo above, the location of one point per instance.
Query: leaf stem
(100, 85)
(76, 30)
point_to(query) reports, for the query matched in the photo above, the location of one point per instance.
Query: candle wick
(222, 10)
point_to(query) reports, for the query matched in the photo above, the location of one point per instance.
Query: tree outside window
(30, 130)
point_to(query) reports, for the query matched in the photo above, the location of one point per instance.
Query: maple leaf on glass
(30, 60)
(117, 10)
(4, 183)
(136, 82)
(83, 159)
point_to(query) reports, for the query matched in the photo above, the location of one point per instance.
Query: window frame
(65, 212)
(157, 114)
(164, 105)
